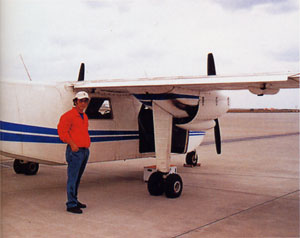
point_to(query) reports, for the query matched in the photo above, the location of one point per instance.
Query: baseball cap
(81, 95)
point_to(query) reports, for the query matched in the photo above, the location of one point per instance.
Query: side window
(99, 108)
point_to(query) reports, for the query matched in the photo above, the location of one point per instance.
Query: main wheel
(18, 166)
(191, 158)
(31, 168)
(156, 184)
(173, 186)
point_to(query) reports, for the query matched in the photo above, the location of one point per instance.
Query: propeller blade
(211, 70)
(217, 136)
(81, 73)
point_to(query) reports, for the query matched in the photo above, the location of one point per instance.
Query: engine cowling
(196, 112)
(191, 110)
(211, 106)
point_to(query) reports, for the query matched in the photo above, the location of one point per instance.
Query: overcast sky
(146, 38)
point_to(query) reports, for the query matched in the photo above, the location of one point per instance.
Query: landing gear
(159, 183)
(31, 168)
(191, 158)
(173, 187)
(28, 168)
(156, 184)
(18, 166)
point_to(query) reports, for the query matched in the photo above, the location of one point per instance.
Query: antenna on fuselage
(25, 68)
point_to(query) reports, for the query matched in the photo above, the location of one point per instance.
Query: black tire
(31, 168)
(191, 158)
(156, 184)
(173, 186)
(18, 166)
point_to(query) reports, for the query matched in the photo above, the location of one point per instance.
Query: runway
(250, 190)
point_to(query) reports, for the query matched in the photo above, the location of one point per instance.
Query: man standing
(73, 130)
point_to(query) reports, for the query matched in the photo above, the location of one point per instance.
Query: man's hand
(74, 147)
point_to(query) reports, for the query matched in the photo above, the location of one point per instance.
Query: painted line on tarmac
(229, 190)
(252, 138)
(236, 213)
(239, 175)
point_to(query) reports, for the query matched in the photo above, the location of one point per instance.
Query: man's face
(82, 104)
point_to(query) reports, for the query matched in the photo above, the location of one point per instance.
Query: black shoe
(81, 205)
(76, 210)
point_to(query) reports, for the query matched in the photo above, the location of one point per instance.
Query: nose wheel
(191, 158)
(170, 184)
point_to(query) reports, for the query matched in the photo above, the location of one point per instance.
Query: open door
(146, 133)
(146, 130)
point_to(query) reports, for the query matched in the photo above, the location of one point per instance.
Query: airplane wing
(256, 83)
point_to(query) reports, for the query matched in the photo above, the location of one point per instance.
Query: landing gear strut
(28, 168)
(159, 183)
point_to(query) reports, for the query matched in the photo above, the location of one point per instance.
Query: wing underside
(203, 83)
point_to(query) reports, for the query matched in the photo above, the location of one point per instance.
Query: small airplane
(128, 118)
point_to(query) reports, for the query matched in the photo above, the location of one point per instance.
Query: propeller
(81, 73)
(211, 70)
(217, 136)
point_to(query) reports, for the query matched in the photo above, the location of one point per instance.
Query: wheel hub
(177, 187)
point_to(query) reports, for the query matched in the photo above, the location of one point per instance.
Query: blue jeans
(76, 165)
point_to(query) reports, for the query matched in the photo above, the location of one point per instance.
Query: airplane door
(146, 130)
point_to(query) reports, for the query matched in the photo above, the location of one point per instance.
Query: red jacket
(72, 126)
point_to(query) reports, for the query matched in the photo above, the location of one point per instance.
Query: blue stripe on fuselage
(13, 137)
(50, 135)
(29, 138)
(110, 132)
(96, 135)
(8, 126)
(113, 138)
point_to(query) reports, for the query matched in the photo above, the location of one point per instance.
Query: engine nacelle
(211, 106)
(180, 103)
(193, 110)
(196, 112)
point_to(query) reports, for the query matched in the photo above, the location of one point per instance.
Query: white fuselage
(30, 113)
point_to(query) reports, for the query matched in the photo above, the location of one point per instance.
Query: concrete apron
(251, 190)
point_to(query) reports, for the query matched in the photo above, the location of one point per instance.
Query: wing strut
(163, 137)
(163, 181)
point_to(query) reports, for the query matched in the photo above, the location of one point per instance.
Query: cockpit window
(99, 108)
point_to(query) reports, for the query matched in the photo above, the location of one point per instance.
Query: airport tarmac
(251, 190)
